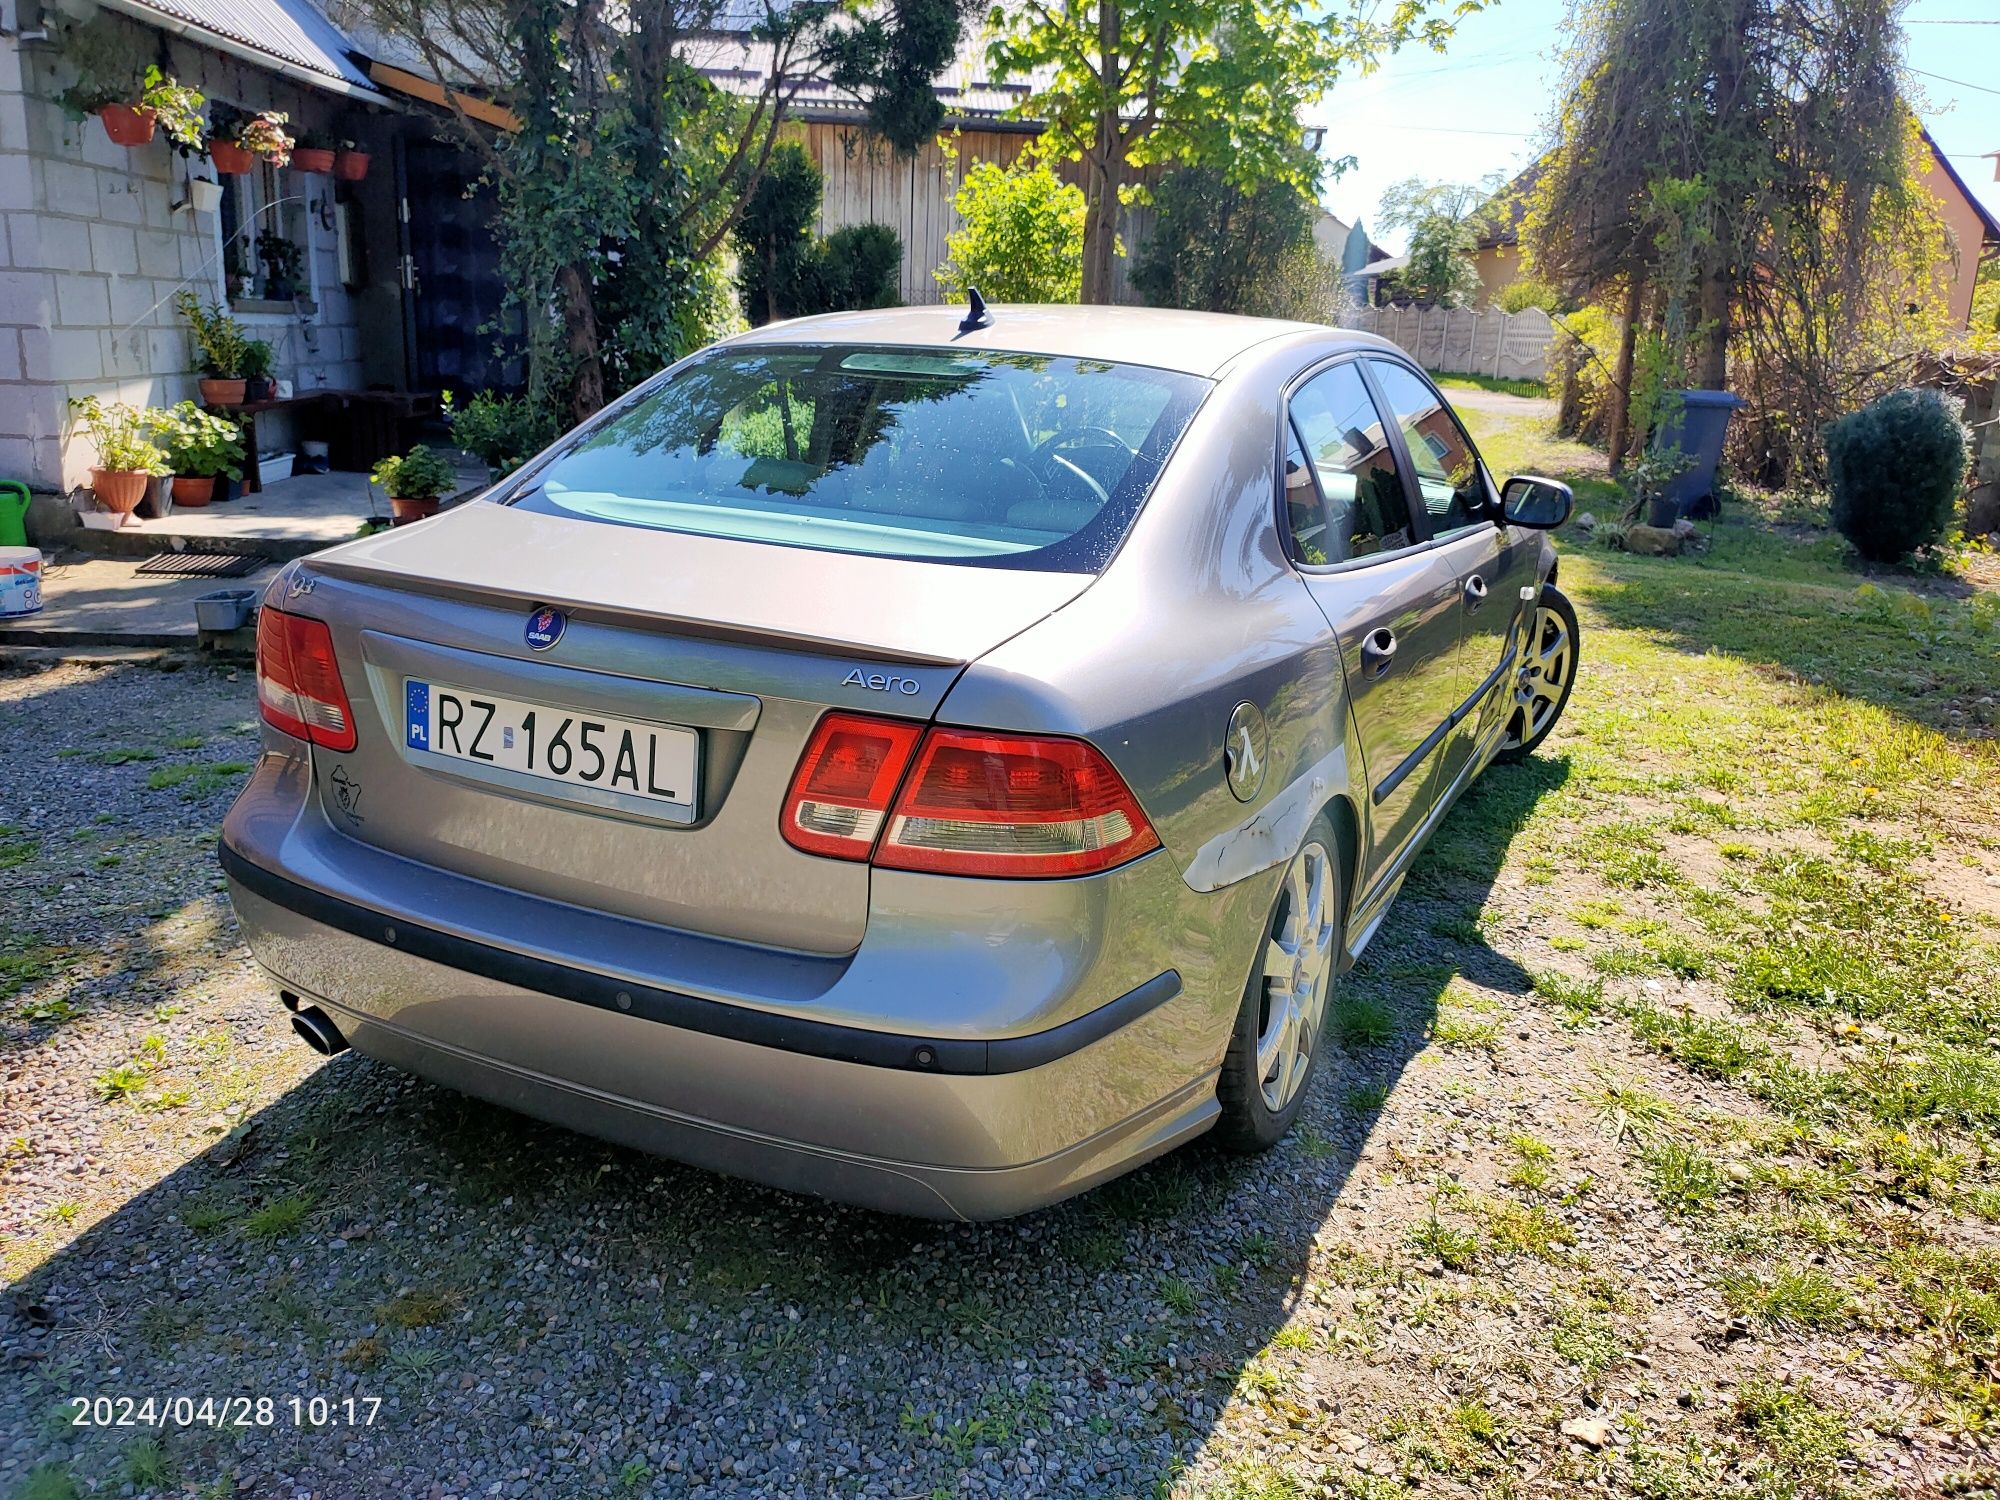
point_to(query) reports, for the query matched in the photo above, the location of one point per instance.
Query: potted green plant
(283, 262)
(415, 482)
(257, 382)
(240, 139)
(219, 345)
(177, 109)
(199, 446)
(350, 162)
(127, 456)
(313, 151)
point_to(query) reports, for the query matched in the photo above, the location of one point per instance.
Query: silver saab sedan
(936, 760)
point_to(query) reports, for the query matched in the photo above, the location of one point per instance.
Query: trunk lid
(746, 645)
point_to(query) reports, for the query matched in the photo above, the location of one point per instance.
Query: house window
(260, 219)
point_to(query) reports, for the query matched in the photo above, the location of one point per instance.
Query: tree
(629, 171)
(1122, 85)
(1223, 248)
(1022, 239)
(1443, 220)
(1737, 178)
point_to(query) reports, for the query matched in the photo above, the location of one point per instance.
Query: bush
(1217, 248)
(1895, 469)
(790, 273)
(502, 432)
(860, 266)
(1023, 235)
(1525, 292)
(418, 475)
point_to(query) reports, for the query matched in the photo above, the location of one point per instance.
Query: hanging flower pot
(193, 491)
(230, 159)
(129, 124)
(204, 194)
(350, 166)
(312, 159)
(120, 490)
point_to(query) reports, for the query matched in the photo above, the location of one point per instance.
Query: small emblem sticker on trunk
(545, 627)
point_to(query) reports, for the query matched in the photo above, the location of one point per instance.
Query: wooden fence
(868, 183)
(1464, 340)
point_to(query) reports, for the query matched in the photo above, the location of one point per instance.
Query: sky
(1480, 106)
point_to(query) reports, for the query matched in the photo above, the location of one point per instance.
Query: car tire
(1264, 1083)
(1546, 678)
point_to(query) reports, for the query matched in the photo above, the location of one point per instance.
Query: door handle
(1378, 652)
(1475, 592)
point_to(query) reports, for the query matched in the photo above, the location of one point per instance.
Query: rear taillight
(841, 790)
(972, 803)
(298, 681)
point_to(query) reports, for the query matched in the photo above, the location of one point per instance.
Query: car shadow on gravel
(545, 1313)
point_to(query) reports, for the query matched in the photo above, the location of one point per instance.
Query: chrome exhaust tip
(318, 1032)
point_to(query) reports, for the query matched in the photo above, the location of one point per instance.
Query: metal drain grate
(200, 565)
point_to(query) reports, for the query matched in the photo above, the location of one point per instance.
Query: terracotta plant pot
(222, 392)
(312, 159)
(403, 511)
(350, 166)
(128, 124)
(230, 159)
(120, 490)
(193, 492)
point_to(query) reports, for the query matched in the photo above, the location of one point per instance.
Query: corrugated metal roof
(741, 65)
(291, 30)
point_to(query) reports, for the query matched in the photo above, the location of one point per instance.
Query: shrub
(418, 475)
(859, 266)
(199, 444)
(502, 432)
(1023, 235)
(1895, 469)
(1526, 292)
(218, 338)
(122, 435)
(1219, 248)
(787, 272)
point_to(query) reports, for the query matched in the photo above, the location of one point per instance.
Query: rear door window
(1339, 433)
(1448, 471)
(951, 456)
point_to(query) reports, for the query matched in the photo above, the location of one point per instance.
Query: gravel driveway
(196, 1206)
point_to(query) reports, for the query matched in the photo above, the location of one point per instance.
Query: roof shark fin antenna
(976, 315)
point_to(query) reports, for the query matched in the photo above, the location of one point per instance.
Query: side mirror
(1543, 504)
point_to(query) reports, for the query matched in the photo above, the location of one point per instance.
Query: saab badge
(545, 627)
(1245, 748)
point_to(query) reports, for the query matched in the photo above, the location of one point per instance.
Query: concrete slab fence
(1464, 340)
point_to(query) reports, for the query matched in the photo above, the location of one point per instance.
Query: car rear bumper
(972, 1144)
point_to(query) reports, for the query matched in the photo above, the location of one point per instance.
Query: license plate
(654, 761)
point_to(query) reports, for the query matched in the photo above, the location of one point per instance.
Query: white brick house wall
(93, 252)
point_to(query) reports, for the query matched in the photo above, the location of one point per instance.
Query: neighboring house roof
(1505, 210)
(290, 34)
(1989, 226)
(740, 64)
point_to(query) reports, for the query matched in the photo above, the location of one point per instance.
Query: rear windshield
(1001, 460)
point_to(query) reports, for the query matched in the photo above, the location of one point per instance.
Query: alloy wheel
(1298, 974)
(1543, 675)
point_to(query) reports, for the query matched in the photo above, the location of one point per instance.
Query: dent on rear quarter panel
(1199, 612)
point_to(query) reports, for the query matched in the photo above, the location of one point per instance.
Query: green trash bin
(13, 513)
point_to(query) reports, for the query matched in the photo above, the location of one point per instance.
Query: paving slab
(283, 520)
(104, 601)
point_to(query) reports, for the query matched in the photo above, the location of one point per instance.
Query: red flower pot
(350, 166)
(120, 490)
(402, 512)
(193, 492)
(231, 160)
(128, 124)
(312, 159)
(222, 392)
